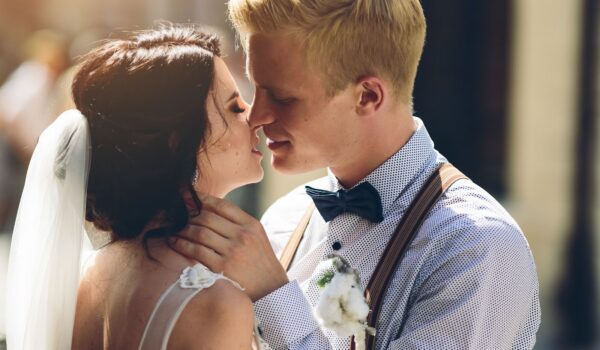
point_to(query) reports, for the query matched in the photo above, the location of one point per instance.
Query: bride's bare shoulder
(222, 315)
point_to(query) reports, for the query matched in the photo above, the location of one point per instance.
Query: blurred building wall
(543, 115)
(596, 212)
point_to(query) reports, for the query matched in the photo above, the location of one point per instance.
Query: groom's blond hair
(345, 39)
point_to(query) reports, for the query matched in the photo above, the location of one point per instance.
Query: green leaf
(325, 279)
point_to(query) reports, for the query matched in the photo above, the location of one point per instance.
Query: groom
(334, 81)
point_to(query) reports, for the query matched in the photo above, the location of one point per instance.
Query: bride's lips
(273, 145)
(255, 150)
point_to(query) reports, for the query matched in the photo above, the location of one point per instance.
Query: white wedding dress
(173, 301)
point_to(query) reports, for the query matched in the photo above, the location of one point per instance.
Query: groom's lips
(273, 145)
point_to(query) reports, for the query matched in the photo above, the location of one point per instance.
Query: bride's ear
(371, 94)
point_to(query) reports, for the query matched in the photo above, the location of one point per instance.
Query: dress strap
(172, 303)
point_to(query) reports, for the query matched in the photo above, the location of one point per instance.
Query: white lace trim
(200, 276)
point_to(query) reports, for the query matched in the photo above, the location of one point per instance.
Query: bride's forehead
(223, 80)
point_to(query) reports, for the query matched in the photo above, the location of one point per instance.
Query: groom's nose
(261, 112)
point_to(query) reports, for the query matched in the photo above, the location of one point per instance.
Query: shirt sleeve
(287, 321)
(481, 292)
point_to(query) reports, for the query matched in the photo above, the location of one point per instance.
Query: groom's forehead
(275, 51)
(273, 61)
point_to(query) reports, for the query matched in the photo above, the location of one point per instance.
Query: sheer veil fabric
(49, 239)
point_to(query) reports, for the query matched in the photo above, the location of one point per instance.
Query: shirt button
(336, 246)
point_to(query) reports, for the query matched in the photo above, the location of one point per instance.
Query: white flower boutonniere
(342, 306)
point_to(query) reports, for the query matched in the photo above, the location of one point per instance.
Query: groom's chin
(289, 165)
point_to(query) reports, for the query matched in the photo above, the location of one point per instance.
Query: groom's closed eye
(281, 100)
(277, 95)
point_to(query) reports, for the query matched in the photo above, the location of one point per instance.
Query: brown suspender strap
(434, 188)
(292, 246)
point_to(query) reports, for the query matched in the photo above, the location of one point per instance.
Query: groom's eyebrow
(273, 89)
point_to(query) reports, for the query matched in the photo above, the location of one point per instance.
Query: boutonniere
(341, 306)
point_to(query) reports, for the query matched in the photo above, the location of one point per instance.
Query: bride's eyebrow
(235, 94)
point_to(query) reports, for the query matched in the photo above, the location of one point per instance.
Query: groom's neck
(377, 144)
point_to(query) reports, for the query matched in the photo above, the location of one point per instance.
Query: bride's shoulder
(221, 313)
(222, 297)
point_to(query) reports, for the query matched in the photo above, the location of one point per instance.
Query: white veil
(47, 242)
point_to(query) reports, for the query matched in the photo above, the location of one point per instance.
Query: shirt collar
(399, 171)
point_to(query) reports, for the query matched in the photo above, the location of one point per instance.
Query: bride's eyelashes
(237, 109)
(237, 106)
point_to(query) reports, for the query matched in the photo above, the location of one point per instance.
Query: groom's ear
(371, 94)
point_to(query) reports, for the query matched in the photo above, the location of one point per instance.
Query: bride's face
(230, 158)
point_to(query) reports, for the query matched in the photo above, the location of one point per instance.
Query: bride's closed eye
(237, 109)
(235, 104)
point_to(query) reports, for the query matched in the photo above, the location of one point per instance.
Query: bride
(159, 120)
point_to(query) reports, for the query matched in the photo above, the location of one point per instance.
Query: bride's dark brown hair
(145, 101)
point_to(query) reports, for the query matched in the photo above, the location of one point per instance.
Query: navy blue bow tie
(362, 200)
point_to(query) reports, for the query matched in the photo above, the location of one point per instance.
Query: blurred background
(508, 90)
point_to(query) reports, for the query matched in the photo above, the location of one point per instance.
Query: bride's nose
(247, 118)
(254, 129)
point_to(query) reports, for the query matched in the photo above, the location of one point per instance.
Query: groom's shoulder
(285, 213)
(468, 220)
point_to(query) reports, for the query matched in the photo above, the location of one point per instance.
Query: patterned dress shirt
(467, 281)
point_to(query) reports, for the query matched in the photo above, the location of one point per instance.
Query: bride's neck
(212, 188)
(152, 250)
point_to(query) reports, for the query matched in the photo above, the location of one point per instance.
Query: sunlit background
(508, 90)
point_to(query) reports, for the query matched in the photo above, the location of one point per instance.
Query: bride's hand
(227, 239)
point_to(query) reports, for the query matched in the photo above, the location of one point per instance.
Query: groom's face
(306, 128)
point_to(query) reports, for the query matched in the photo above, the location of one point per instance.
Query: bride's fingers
(196, 251)
(215, 222)
(225, 209)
